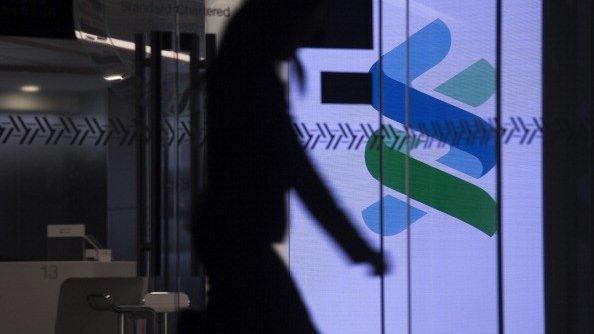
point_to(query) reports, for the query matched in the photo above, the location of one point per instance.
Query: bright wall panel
(435, 189)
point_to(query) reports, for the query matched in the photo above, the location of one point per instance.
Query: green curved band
(433, 187)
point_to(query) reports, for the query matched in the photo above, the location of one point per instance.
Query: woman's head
(297, 23)
(274, 29)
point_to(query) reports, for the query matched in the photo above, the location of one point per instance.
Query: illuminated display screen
(434, 181)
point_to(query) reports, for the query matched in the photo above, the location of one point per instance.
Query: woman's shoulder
(245, 79)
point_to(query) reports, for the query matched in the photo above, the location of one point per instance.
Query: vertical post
(211, 48)
(166, 45)
(155, 152)
(499, 171)
(199, 130)
(121, 323)
(211, 53)
(165, 323)
(139, 106)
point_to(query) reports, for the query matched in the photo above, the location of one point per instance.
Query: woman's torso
(247, 182)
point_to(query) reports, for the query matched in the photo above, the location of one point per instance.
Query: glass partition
(423, 118)
(95, 136)
(423, 164)
(452, 172)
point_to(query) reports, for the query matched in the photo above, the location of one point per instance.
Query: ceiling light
(114, 77)
(127, 45)
(30, 88)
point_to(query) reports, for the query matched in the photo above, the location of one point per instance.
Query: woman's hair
(271, 30)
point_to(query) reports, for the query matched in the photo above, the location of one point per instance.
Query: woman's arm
(317, 197)
(322, 205)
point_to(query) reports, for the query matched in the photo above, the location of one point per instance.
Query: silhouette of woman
(253, 159)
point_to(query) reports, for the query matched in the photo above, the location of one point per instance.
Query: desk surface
(29, 291)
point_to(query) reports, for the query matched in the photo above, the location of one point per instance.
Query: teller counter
(29, 291)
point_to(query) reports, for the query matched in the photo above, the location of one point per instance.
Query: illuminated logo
(472, 150)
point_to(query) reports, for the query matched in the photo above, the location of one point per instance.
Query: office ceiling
(54, 65)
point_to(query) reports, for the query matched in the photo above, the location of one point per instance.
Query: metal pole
(155, 152)
(139, 106)
(122, 323)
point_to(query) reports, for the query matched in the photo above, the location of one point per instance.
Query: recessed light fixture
(30, 89)
(114, 77)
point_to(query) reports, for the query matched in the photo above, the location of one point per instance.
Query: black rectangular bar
(139, 106)
(155, 152)
(346, 88)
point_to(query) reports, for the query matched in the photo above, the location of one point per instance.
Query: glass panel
(56, 145)
(386, 161)
(335, 121)
(69, 138)
(437, 99)
(452, 174)
(186, 151)
(398, 113)
(522, 189)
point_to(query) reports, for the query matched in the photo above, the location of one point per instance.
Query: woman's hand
(377, 262)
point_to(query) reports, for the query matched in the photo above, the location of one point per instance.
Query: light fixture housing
(114, 77)
(30, 88)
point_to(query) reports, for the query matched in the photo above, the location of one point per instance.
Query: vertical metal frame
(198, 123)
(139, 107)
(155, 118)
(499, 173)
